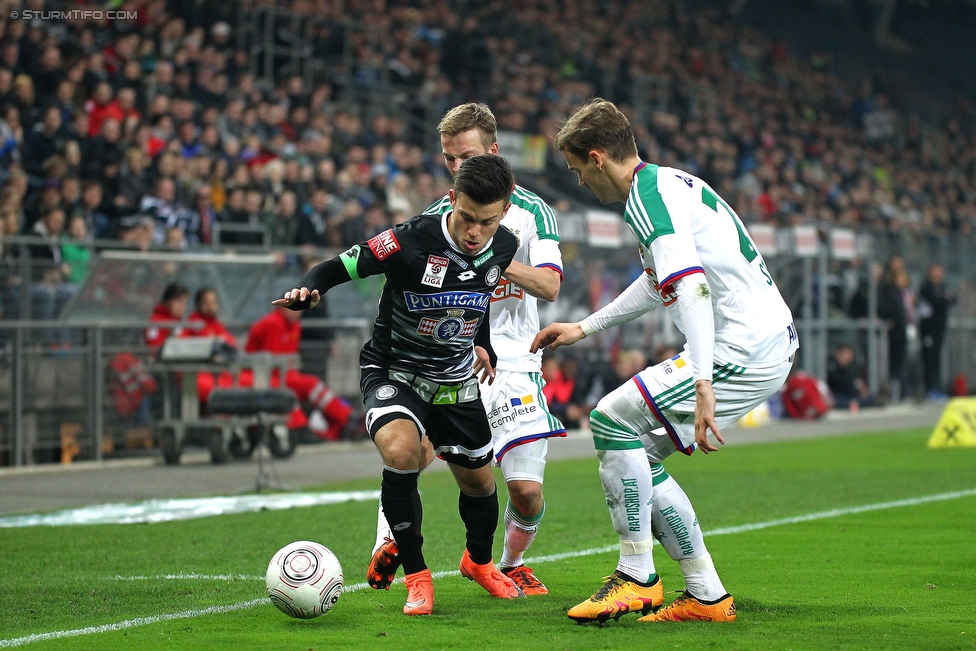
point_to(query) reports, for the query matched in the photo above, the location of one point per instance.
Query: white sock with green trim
(676, 527)
(519, 533)
(627, 486)
(383, 531)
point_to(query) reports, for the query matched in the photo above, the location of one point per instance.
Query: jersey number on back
(746, 247)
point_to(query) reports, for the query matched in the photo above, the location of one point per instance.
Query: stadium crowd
(156, 131)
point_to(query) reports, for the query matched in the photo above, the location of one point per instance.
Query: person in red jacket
(101, 106)
(280, 332)
(204, 322)
(171, 308)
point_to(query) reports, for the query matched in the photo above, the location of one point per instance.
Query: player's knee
(476, 482)
(401, 458)
(399, 452)
(524, 492)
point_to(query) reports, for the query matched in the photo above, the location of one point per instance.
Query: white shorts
(517, 411)
(664, 395)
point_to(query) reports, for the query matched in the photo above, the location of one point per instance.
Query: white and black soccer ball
(304, 579)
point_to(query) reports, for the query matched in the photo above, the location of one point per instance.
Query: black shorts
(451, 416)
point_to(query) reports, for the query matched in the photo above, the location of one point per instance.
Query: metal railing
(54, 396)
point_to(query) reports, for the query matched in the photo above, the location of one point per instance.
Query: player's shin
(480, 517)
(401, 504)
(676, 527)
(627, 488)
(520, 531)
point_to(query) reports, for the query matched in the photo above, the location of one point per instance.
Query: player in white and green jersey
(702, 266)
(517, 410)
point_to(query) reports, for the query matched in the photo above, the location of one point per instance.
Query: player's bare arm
(555, 335)
(299, 295)
(541, 282)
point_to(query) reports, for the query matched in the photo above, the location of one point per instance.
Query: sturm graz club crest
(386, 392)
(447, 328)
(491, 278)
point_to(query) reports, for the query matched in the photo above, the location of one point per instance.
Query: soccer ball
(304, 579)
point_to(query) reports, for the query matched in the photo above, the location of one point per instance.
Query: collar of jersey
(450, 240)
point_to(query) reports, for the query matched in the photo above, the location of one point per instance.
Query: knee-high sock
(626, 477)
(519, 533)
(480, 517)
(676, 526)
(383, 531)
(401, 504)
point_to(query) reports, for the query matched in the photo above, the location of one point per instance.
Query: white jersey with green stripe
(515, 312)
(685, 228)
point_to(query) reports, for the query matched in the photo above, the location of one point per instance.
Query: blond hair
(597, 125)
(470, 116)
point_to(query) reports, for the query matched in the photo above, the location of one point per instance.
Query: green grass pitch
(902, 577)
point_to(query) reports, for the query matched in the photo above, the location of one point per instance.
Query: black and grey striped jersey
(435, 297)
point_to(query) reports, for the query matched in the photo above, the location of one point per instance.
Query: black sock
(401, 504)
(480, 517)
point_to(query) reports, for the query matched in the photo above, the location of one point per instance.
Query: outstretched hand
(555, 335)
(295, 299)
(482, 366)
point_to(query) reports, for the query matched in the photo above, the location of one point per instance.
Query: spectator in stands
(561, 392)
(233, 214)
(10, 280)
(101, 107)
(893, 307)
(138, 231)
(204, 321)
(23, 97)
(206, 217)
(44, 141)
(319, 210)
(76, 250)
(11, 137)
(105, 151)
(161, 207)
(933, 311)
(170, 310)
(850, 391)
(280, 331)
(50, 289)
(133, 180)
(605, 377)
(283, 222)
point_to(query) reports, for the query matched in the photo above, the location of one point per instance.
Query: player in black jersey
(420, 369)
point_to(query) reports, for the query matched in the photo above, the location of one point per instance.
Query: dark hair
(203, 291)
(174, 291)
(486, 179)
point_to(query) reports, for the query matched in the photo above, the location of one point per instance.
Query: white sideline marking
(191, 575)
(131, 623)
(183, 509)
(833, 513)
(251, 603)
